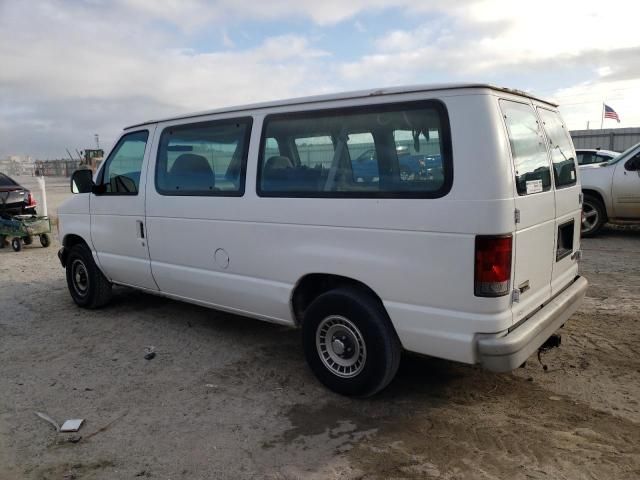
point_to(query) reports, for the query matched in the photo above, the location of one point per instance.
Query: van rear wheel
(88, 287)
(349, 342)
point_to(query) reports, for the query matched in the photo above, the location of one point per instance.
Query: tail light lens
(493, 265)
(31, 202)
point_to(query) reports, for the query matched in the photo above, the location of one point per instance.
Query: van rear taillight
(493, 265)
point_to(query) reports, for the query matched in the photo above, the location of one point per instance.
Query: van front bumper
(509, 351)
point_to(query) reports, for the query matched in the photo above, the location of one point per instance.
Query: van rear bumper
(507, 352)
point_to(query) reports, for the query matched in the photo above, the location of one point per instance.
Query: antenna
(97, 137)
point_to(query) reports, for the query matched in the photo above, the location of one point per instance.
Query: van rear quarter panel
(416, 254)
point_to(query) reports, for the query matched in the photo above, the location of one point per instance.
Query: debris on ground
(47, 418)
(150, 353)
(72, 425)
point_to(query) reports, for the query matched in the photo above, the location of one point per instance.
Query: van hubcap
(80, 277)
(341, 346)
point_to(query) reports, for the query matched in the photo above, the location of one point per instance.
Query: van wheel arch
(312, 285)
(70, 241)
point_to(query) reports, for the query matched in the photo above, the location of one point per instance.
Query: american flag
(610, 113)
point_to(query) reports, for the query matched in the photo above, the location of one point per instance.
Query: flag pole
(602, 116)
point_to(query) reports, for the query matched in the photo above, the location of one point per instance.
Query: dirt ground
(228, 397)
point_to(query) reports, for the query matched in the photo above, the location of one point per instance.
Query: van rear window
(391, 150)
(564, 162)
(528, 149)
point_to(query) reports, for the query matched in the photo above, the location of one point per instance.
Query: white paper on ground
(71, 425)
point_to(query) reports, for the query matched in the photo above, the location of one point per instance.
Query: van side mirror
(82, 181)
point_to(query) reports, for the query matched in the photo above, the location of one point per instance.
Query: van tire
(88, 287)
(592, 205)
(354, 317)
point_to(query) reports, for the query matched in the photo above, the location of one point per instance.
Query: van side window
(204, 159)
(121, 172)
(528, 148)
(564, 163)
(390, 150)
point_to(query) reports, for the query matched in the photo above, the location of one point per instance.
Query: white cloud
(114, 74)
(193, 13)
(583, 103)
(481, 38)
(227, 41)
(73, 68)
(359, 26)
(496, 33)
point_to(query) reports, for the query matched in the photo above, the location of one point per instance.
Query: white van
(442, 220)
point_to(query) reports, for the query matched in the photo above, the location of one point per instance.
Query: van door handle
(140, 226)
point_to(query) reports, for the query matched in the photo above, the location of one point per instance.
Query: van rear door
(567, 194)
(534, 208)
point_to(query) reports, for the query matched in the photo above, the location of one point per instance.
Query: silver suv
(611, 192)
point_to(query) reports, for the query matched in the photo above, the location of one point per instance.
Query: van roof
(346, 96)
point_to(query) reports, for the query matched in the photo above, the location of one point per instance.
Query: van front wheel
(349, 342)
(88, 287)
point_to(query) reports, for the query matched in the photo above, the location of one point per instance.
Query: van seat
(280, 174)
(191, 171)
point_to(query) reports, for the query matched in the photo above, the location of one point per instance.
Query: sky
(72, 68)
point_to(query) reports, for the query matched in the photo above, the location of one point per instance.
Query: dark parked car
(14, 198)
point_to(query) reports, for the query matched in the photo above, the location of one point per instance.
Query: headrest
(278, 162)
(192, 172)
(192, 164)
